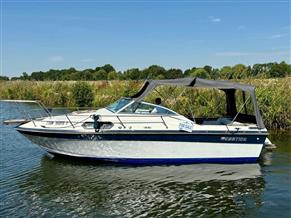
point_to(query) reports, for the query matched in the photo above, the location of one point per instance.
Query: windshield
(145, 108)
(116, 106)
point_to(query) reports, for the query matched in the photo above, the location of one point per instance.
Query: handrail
(120, 122)
(44, 108)
(73, 124)
(129, 115)
(69, 120)
(27, 114)
(117, 116)
(164, 122)
(240, 109)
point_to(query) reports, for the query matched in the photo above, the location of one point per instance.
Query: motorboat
(134, 131)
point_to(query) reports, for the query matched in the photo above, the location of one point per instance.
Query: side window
(160, 110)
(131, 108)
(144, 109)
(139, 108)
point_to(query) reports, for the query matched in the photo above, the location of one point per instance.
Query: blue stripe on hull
(160, 161)
(180, 161)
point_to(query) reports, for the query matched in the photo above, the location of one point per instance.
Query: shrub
(82, 94)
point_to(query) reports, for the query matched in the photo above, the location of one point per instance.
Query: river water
(36, 185)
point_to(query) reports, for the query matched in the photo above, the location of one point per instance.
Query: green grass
(274, 97)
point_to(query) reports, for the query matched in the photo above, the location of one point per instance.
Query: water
(35, 185)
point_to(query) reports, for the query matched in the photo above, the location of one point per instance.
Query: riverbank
(273, 96)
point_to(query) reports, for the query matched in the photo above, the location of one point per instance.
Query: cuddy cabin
(132, 130)
(127, 114)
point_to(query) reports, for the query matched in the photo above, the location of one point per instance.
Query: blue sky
(41, 35)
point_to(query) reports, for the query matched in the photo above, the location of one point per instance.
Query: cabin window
(100, 125)
(106, 125)
(144, 109)
(48, 123)
(88, 125)
(131, 108)
(60, 123)
(161, 110)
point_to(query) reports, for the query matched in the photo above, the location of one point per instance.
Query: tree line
(108, 72)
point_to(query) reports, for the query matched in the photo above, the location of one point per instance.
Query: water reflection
(106, 190)
(266, 157)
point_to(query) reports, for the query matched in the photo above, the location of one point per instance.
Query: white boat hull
(151, 152)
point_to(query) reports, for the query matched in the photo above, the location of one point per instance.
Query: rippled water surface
(35, 185)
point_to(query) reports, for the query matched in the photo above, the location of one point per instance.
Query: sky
(38, 35)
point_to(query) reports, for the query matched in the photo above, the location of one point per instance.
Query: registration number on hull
(233, 139)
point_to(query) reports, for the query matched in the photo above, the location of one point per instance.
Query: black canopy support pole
(230, 102)
(142, 90)
(244, 100)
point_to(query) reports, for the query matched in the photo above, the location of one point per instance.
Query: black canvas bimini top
(226, 86)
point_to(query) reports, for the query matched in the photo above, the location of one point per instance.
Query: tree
(188, 72)
(108, 68)
(154, 72)
(226, 72)
(38, 76)
(208, 69)
(82, 94)
(239, 71)
(24, 76)
(257, 69)
(133, 74)
(112, 75)
(74, 76)
(86, 74)
(174, 73)
(215, 73)
(201, 73)
(100, 75)
(4, 78)
(279, 70)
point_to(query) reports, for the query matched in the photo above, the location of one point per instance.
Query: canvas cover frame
(228, 87)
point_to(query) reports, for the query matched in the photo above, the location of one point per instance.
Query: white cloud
(214, 19)
(56, 58)
(276, 36)
(239, 54)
